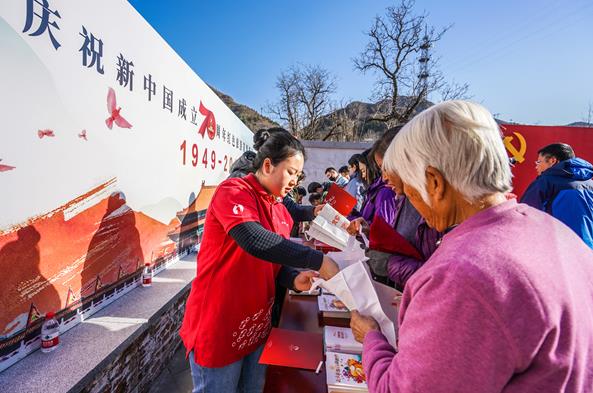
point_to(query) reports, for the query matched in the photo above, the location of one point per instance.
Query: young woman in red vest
(244, 249)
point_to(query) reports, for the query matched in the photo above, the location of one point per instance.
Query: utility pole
(423, 60)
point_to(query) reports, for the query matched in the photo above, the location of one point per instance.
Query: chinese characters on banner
(104, 171)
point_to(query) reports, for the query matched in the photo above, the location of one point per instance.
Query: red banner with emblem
(523, 142)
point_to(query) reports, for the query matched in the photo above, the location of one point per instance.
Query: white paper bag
(350, 255)
(358, 291)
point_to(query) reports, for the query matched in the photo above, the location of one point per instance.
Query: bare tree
(455, 91)
(396, 51)
(286, 109)
(341, 124)
(305, 98)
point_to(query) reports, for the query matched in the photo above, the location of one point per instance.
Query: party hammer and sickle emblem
(520, 154)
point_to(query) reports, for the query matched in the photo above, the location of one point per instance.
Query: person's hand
(317, 209)
(355, 225)
(339, 304)
(329, 268)
(303, 281)
(361, 325)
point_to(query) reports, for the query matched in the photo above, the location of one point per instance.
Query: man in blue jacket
(564, 188)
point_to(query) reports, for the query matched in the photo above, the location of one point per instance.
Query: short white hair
(461, 140)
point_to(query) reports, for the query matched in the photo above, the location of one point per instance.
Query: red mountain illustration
(51, 259)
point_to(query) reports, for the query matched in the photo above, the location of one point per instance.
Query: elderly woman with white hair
(505, 304)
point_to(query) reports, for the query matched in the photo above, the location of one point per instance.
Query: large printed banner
(110, 149)
(523, 142)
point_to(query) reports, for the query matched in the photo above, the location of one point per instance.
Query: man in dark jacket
(243, 166)
(564, 188)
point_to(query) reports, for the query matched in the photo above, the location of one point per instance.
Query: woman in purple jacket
(396, 210)
(379, 199)
(505, 303)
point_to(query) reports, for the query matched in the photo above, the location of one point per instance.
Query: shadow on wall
(22, 279)
(114, 250)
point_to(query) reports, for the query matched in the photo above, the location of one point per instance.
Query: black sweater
(269, 246)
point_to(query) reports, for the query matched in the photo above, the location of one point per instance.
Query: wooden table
(299, 313)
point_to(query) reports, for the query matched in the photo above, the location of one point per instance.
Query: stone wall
(142, 358)
(121, 348)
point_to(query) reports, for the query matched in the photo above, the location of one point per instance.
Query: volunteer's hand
(303, 281)
(361, 325)
(329, 268)
(317, 209)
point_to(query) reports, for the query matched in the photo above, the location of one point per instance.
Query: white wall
(321, 155)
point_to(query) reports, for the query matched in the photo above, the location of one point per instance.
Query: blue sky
(528, 61)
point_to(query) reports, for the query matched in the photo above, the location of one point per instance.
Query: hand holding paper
(317, 209)
(361, 325)
(303, 281)
(358, 291)
(358, 225)
(329, 268)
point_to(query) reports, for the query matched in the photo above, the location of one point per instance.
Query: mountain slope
(252, 119)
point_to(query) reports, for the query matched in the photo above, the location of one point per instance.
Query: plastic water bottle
(147, 275)
(50, 333)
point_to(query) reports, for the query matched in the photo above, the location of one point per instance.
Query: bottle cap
(147, 264)
(50, 315)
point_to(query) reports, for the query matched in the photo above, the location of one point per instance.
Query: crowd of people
(498, 299)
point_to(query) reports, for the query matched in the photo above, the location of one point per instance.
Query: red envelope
(383, 237)
(339, 199)
(291, 348)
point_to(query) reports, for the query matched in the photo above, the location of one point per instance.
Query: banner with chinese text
(110, 149)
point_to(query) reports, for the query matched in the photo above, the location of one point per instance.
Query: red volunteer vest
(227, 314)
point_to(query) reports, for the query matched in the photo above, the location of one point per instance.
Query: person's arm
(299, 213)
(450, 340)
(286, 277)
(377, 262)
(233, 205)
(535, 195)
(401, 267)
(385, 206)
(269, 246)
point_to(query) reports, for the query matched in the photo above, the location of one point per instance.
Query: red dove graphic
(114, 112)
(43, 133)
(209, 122)
(5, 168)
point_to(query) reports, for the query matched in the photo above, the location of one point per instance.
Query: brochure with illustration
(339, 339)
(331, 307)
(345, 373)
